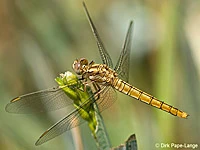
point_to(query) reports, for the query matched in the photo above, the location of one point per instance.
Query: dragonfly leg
(97, 88)
(86, 84)
(91, 63)
(81, 78)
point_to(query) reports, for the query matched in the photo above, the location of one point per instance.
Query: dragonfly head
(79, 65)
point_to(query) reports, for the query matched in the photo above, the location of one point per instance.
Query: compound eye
(83, 61)
(73, 65)
(76, 67)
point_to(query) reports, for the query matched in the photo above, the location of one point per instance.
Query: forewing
(104, 97)
(122, 66)
(106, 59)
(70, 121)
(41, 101)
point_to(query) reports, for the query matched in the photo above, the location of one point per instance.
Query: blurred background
(41, 39)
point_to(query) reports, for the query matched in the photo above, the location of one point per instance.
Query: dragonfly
(117, 78)
(104, 82)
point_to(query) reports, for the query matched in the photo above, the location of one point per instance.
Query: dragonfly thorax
(100, 73)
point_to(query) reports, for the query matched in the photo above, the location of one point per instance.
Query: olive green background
(39, 39)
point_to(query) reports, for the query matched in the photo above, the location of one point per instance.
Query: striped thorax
(100, 73)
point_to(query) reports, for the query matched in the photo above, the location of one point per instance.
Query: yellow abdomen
(132, 91)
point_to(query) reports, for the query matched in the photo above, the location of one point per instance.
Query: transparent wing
(122, 66)
(104, 95)
(106, 98)
(74, 118)
(106, 59)
(40, 101)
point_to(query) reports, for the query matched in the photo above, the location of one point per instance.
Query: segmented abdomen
(132, 91)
